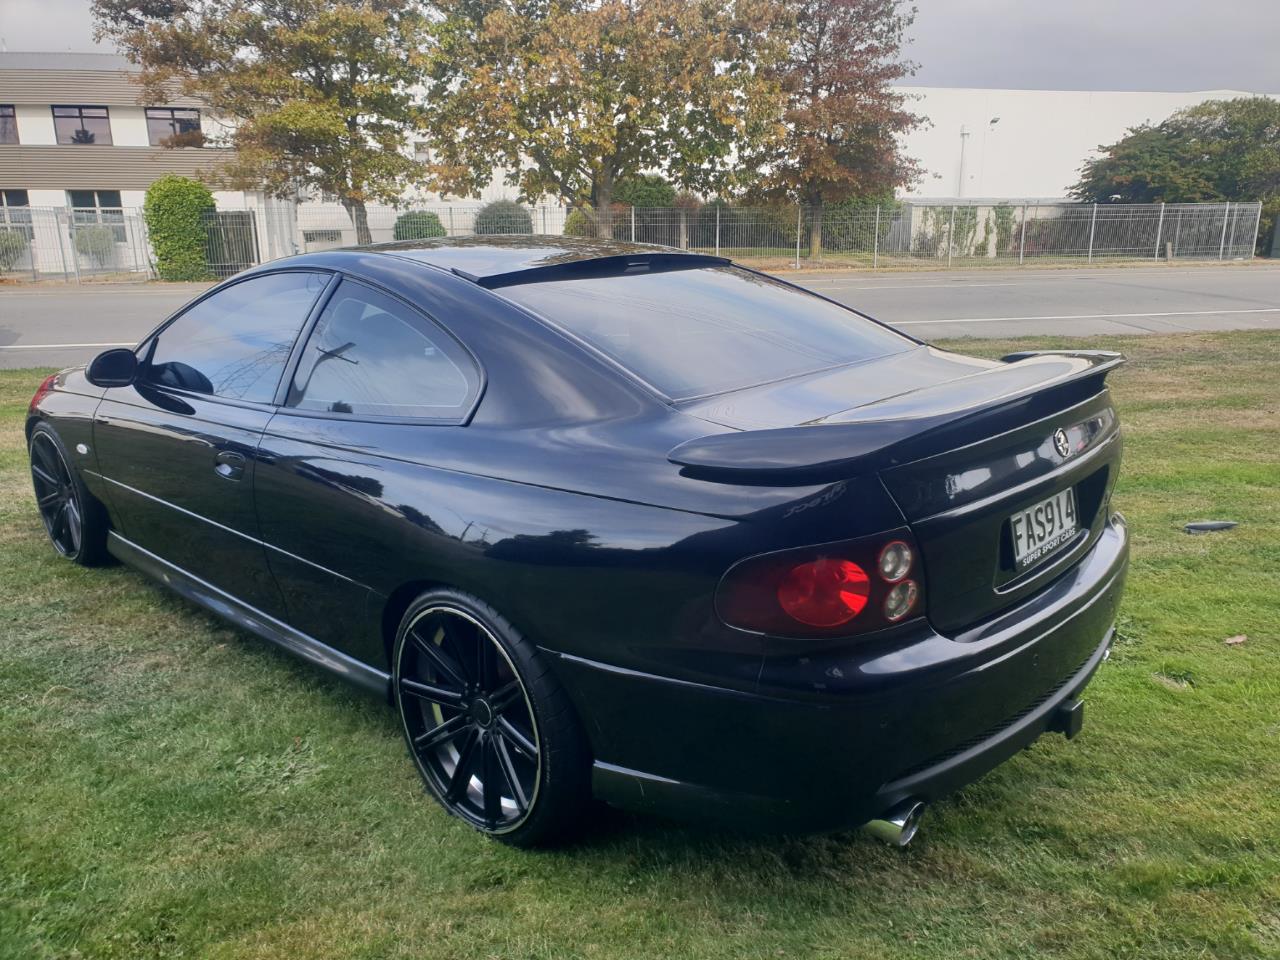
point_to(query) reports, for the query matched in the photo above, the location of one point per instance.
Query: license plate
(1043, 528)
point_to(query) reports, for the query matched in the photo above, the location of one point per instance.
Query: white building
(1025, 144)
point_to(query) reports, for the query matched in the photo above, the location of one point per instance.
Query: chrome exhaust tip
(899, 825)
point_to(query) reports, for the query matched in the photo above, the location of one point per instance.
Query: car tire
(73, 519)
(488, 726)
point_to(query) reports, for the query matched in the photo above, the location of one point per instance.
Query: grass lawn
(171, 787)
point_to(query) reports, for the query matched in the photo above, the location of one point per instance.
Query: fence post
(951, 235)
(1093, 226)
(451, 233)
(717, 229)
(1257, 225)
(875, 241)
(1226, 215)
(799, 214)
(62, 251)
(71, 236)
(633, 224)
(1022, 237)
(1159, 230)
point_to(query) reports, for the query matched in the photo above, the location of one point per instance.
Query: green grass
(170, 787)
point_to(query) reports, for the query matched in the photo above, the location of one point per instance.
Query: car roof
(497, 260)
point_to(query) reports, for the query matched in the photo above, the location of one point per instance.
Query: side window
(371, 355)
(235, 343)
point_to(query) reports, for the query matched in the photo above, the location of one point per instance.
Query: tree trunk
(815, 227)
(602, 197)
(359, 219)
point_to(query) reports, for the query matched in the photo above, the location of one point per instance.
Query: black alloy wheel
(488, 727)
(57, 496)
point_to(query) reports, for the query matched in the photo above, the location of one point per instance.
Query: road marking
(57, 346)
(1091, 316)
(955, 284)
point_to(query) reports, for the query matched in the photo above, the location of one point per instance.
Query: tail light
(42, 391)
(831, 590)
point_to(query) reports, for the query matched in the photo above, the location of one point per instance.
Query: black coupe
(614, 521)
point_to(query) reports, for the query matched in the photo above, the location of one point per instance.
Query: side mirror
(113, 368)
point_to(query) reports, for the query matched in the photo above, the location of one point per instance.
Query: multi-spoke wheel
(70, 517)
(488, 728)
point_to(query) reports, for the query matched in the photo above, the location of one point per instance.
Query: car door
(177, 446)
(337, 491)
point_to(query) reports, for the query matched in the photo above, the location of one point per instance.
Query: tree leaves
(843, 118)
(319, 92)
(570, 97)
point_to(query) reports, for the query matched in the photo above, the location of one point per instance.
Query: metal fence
(76, 243)
(73, 242)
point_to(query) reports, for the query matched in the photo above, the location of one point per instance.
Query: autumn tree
(571, 96)
(843, 117)
(1216, 150)
(315, 93)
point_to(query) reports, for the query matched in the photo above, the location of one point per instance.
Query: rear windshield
(691, 333)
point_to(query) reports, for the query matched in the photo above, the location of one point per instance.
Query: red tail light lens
(829, 590)
(42, 391)
(825, 592)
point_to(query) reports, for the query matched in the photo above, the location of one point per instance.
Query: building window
(174, 127)
(15, 212)
(422, 151)
(81, 125)
(8, 124)
(98, 206)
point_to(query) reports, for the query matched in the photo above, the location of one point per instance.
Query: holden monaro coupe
(615, 521)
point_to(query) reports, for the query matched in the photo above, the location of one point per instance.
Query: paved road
(1084, 302)
(58, 325)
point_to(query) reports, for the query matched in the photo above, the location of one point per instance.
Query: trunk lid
(961, 445)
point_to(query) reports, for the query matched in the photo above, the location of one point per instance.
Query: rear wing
(902, 428)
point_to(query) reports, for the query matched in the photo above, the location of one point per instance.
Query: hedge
(418, 225)
(175, 209)
(503, 216)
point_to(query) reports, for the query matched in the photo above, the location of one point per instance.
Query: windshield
(691, 333)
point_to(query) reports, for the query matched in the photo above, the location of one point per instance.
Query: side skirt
(249, 618)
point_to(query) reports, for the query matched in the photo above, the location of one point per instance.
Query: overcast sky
(1033, 44)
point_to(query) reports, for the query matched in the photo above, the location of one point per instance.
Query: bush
(581, 222)
(175, 210)
(96, 241)
(418, 225)
(503, 216)
(13, 244)
(646, 190)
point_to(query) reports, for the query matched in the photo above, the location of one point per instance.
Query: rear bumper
(835, 740)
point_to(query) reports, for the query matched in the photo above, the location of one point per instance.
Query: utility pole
(964, 135)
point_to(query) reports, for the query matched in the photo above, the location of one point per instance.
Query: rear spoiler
(899, 429)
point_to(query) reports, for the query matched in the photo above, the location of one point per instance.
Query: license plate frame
(1043, 528)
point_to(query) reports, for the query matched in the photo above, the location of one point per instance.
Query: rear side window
(235, 343)
(691, 333)
(372, 355)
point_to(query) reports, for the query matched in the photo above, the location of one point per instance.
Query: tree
(1216, 150)
(317, 92)
(571, 96)
(842, 117)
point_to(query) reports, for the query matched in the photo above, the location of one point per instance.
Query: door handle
(229, 466)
